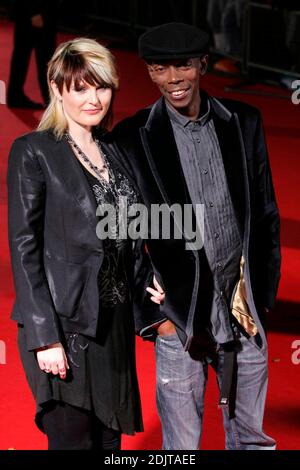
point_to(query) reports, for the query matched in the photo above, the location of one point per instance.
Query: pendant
(102, 170)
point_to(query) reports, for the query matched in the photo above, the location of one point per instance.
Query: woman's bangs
(81, 71)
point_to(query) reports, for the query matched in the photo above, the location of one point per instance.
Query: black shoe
(24, 102)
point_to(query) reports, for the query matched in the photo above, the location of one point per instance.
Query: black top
(113, 286)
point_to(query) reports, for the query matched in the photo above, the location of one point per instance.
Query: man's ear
(203, 64)
(55, 90)
(149, 67)
(150, 71)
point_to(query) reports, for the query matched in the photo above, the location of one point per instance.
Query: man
(190, 148)
(35, 29)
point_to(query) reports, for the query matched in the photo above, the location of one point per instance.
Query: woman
(73, 302)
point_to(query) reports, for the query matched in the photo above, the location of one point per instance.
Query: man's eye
(156, 68)
(185, 65)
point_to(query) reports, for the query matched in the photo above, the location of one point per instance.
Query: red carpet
(282, 121)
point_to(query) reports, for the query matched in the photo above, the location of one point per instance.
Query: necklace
(99, 171)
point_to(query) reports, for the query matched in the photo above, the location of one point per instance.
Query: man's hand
(158, 295)
(166, 328)
(53, 359)
(37, 21)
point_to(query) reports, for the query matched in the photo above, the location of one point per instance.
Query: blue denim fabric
(181, 382)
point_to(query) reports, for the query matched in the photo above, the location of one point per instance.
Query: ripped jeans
(181, 382)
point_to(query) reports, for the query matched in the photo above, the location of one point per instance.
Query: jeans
(181, 382)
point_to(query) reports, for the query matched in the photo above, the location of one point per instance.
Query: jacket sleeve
(26, 209)
(147, 314)
(267, 222)
(34, 7)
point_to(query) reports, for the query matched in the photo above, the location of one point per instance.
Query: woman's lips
(92, 111)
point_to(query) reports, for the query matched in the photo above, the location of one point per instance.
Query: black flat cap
(173, 41)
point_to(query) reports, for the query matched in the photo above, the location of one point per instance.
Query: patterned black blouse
(117, 193)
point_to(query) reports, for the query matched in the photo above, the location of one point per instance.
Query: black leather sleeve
(146, 313)
(26, 212)
(267, 223)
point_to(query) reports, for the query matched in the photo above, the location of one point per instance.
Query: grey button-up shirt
(203, 168)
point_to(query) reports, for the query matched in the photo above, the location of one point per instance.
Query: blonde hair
(76, 61)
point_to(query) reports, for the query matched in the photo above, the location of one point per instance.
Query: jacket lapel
(118, 162)
(162, 154)
(76, 182)
(232, 154)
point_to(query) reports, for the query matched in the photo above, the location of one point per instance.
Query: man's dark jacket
(147, 145)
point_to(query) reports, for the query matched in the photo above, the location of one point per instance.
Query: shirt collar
(184, 121)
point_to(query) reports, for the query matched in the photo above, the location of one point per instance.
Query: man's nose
(173, 75)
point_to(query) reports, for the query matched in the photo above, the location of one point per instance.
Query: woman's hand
(53, 359)
(158, 295)
(37, 21)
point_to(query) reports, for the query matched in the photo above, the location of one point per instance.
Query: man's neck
(192, 112)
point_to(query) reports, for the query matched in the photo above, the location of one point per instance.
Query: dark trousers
(27, 38)
(70, 428)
